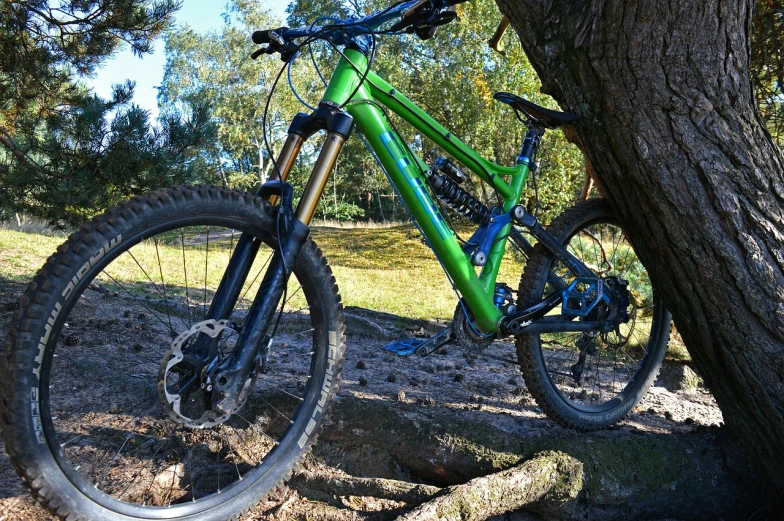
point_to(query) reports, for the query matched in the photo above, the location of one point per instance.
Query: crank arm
(437, 341)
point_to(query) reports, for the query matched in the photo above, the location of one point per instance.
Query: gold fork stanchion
(285, 162)
(318, 178)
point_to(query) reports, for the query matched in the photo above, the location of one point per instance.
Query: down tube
(410, 182)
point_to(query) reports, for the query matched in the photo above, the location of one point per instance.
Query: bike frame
(355, 96)
(406, 171)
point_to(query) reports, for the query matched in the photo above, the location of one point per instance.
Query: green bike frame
(407, 172)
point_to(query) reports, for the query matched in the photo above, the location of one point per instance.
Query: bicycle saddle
(551, 118)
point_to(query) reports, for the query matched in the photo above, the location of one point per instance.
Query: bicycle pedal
(422, 347)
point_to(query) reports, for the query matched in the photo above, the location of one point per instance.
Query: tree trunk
(668, 121)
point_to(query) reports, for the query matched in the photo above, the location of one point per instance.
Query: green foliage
(453, 77)
(767, 63)
(214, 70)
(64, 152)
(342, 211)
(450, 76)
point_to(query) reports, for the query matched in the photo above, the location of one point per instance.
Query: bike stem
(230, 376)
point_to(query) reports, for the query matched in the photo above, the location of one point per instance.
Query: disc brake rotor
(185, 394)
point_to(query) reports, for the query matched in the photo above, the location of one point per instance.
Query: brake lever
(259, 52)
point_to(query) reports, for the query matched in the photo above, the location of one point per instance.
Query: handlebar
(262, 37)
(367, 23)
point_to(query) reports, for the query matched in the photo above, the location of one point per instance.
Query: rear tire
(623, 366)
(81, 416)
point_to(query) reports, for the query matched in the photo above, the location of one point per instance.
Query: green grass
(386, 269)
(392, 269)
(22, 254)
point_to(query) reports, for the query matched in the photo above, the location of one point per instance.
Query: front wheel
(592, 380)
(98, 420)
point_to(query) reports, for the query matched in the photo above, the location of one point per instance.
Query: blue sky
(147, 72)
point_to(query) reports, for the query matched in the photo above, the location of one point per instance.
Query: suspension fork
(293, 231)
(248, 246)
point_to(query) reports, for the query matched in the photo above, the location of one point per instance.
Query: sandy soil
(489, 382)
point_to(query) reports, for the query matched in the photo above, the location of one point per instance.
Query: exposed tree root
(627, 473)
(391, 489)
(551, 479)
(379, 329)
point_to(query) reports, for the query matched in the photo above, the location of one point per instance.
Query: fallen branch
(551, 478)
(373, 487)
(383, 331)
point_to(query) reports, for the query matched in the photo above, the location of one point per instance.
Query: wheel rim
(609, 374)
(101, 413)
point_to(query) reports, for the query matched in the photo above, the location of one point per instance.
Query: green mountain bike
(176, 357)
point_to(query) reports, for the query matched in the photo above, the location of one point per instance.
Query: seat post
(530, 146)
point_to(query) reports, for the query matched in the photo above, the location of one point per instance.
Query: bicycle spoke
(609, 365)
(185, 274)
(119, 406)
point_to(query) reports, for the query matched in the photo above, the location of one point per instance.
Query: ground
(487, 385)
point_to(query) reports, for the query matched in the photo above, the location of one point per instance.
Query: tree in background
(767, 63)
(214, 70)
(64, 152)
(453, 77)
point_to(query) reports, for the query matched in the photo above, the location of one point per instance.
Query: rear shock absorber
(446, 187)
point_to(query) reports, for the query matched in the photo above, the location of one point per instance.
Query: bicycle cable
(324, 30)
(386, 115)
(287, 67)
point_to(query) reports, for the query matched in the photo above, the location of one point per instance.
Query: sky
(147, 72)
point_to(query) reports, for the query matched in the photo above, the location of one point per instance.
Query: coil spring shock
(448, 190)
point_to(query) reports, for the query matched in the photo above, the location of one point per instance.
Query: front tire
(622, 365)
(82, 419)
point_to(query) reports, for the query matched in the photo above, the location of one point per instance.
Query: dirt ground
(450, 380)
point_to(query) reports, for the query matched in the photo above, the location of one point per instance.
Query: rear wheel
(89, 416)
(592, 380)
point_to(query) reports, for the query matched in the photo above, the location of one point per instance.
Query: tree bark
(551, 477)
(668, 121)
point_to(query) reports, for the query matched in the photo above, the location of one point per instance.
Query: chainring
(466, 335)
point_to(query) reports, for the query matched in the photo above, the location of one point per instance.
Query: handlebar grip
(262, 37)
